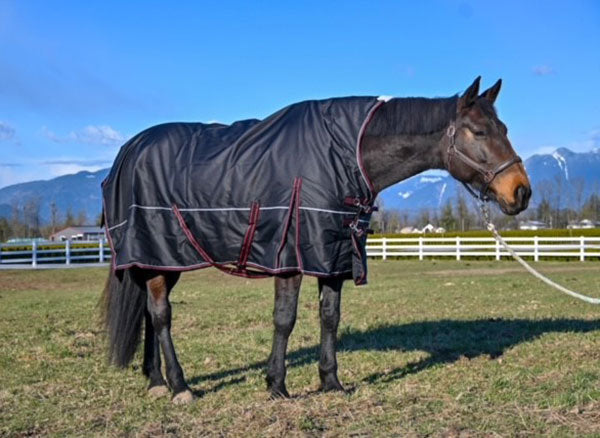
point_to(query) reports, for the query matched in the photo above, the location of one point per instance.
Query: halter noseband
(488, 174)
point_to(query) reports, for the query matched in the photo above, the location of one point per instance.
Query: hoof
(331, 385)
(158, 391)
(279, 393)
(184, 397)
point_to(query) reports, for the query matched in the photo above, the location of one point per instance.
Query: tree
(69, 218)
(579, 187)
(54, 217)
(544, 211)
(18, 228)
(31, 216)
(462, 212)
(81, 218)
(591, 208)
(447, 220)
(424, 217)
(5, 230)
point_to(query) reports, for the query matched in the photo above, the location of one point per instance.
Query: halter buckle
(451, 131)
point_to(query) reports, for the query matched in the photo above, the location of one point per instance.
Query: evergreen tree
(447, 219)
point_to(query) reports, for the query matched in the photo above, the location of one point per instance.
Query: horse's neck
(391, 159)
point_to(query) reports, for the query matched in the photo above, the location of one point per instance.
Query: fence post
(101, 251)
(457, 247)
(68, 252)
(497, 250)
(34, 253)
(384, 249)
(581, 248)
(536, 249)
(420, 247)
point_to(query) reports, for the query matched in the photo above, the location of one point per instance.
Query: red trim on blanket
(190, 236)
(288, 222)
(226, 268)
(249, 237)
(361, 134)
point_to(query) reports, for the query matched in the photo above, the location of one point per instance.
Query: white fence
(582, 248)
(66, 252)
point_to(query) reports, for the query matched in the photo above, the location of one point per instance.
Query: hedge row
(52, 247)
(592, 232)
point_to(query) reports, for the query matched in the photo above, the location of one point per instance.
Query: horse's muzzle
(521, 201)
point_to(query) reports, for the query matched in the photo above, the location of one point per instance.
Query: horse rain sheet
(255, 198)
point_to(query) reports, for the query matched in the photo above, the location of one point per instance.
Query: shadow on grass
(446, 341)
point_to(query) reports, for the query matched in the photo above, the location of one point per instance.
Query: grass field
(434, 348)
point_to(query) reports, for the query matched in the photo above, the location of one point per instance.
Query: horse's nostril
(522, 194)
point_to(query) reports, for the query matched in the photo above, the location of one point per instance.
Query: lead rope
(490, 226)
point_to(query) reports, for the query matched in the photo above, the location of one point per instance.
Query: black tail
(124, 304)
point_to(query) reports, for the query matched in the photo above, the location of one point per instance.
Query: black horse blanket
(255, 198)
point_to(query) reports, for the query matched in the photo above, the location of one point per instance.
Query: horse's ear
(492, 93)
(470, 95)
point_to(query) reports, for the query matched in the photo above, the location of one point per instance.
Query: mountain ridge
(570, 176)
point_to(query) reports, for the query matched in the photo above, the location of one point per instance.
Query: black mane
(413, 116)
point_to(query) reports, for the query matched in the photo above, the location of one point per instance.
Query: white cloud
(103, 135)
(543, 70)
(544, 150)
(66, 169)
(7, 132)
(66, 166)
(595, 137)
(589, 144)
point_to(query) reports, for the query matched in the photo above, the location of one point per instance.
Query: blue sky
(78, 78)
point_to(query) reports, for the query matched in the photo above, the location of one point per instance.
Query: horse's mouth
(512, 209)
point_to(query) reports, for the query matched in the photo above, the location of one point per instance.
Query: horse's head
(478, 152)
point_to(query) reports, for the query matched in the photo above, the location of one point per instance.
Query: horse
(396, 138)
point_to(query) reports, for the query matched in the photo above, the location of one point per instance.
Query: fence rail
(582, 248)
(67, 253)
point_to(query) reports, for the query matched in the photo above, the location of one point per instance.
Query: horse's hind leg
(151, 367)
(330, 291)
(284, 318)
(159, 286)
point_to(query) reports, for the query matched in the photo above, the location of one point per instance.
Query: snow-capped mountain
(565, 174)
(570, 176)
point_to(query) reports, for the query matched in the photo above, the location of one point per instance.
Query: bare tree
(69, 218)
(81, 218)
(31, 216)
(54, 217)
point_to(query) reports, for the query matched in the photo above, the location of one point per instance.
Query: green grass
(433, 348)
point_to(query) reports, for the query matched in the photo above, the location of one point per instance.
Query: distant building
(532, 225)
(432, 229)
(583, 224)
(426, 229)
(87, 232)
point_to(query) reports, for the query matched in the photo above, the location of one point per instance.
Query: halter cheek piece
(488, 174)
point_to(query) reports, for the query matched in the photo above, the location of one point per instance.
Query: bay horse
(399, 138)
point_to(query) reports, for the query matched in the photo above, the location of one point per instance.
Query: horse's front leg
(330, 292)
(284, 318)
(159, 308)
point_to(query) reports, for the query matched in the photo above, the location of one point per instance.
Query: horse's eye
(479, 133)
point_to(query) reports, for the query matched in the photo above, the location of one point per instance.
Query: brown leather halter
(487, 173)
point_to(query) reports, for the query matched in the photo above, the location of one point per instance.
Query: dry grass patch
(477, 349)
